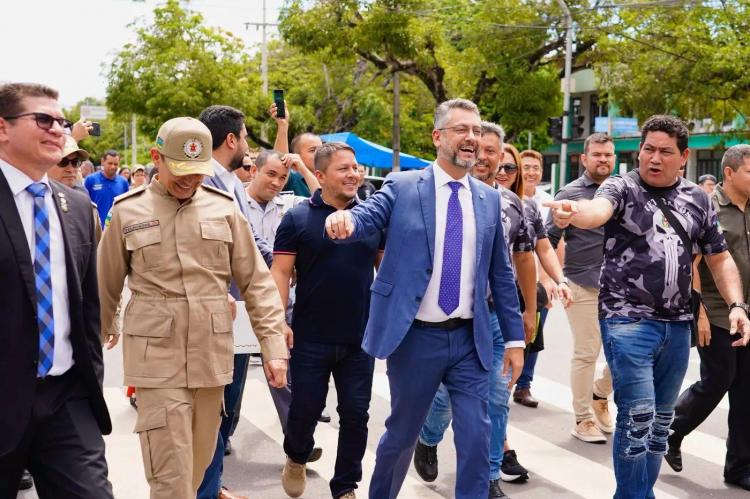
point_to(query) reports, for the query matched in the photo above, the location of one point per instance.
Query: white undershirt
(18, 182)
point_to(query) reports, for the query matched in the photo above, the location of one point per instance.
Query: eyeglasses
(464, 130)
(75, 163)
(43, 120)
(246, 167)
(508, 167)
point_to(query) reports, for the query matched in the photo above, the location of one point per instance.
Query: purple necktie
(450, 280)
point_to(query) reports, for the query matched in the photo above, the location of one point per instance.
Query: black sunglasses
(75, 163)
(508, 167)
(43, 120)
(246, 167)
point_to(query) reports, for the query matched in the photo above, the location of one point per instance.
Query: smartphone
(278, 99)
(96, 129)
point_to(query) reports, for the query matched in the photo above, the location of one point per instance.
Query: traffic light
(554, 129)
(577, 128)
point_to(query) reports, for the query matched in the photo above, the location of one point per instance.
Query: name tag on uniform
(140, 226)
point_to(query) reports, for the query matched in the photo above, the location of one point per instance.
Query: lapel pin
(63, 202)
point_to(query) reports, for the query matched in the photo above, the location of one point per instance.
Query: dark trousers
(211, 484)
(425, 358)
(62, 445)
(312, 364)
(723, 368)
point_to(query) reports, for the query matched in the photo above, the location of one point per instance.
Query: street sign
(94, 112)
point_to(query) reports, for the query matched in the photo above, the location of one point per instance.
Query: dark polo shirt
(583, 247)
(734, 224)
(333, 280)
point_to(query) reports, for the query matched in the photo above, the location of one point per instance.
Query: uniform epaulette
(94, 205)
(134, 192)
(211, 188)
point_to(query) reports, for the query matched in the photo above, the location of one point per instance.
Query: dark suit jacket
(19, 333)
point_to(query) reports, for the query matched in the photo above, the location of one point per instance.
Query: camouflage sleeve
(615, 191)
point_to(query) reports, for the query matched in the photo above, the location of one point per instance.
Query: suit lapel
(478, 199)
(14, 227)
(426, 189)
(66, 219)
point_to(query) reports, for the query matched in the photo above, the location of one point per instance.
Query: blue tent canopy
(372, 154)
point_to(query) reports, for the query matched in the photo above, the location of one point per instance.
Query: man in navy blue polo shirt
(105, 185)
(329, 318)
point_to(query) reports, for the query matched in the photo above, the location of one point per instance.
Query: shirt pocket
(150, 348)
(145, 248)
(216, 237)
(222, 342)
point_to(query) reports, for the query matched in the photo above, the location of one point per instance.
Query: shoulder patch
(216, 190)
(129, 194)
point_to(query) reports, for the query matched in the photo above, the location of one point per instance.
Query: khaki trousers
(583, 316)
(177, 428)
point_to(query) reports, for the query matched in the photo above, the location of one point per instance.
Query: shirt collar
(316, 200)
(587, 181)
(17, 180)
(442, 178)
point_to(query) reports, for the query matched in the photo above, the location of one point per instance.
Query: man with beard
(229, 135)
(652, 218)
(583, 260)
(429, 315)
(518, 243)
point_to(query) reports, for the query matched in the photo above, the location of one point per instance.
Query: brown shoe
(602, 417)
(293, 478)
(225, 493)
(523, 396)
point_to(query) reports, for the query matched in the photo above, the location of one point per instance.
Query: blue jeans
(648, 360)
(312, 364)
(529, 363)
(440, 414)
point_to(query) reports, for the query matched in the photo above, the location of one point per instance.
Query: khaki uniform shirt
(735, 225)
(179, 259)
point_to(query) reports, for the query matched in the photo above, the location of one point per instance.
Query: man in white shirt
(51, 361)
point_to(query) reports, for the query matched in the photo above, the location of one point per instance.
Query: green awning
(697, 141)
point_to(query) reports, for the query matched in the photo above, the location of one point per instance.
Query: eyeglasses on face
(43, 120)
(75, 163)
(464, 130)
(508, 167)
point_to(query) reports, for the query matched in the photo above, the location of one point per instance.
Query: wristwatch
(739, 304)
(564, 280)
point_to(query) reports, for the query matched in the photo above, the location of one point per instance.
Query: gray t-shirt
(534, 222)
(515, 229)
(583, 247)
(646, 272)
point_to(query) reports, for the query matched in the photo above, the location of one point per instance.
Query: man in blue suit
(429, 314)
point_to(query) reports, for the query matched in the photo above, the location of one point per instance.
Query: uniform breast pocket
(216, 236)
(145, 246)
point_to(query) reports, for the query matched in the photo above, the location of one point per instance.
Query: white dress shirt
(266, 220)
(227, 178)
(18, 181)
(429, 310)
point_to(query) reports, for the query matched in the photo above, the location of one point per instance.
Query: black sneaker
(426, 462)
(228, 448)
(324, 417)
(495, 490)
(673, 457)
(511, 470)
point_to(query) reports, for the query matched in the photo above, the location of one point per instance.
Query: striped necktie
(43, 279)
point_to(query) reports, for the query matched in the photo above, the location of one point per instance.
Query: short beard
(236, 161)
(466, 165)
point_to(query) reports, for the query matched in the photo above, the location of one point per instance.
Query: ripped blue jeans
(648, 360)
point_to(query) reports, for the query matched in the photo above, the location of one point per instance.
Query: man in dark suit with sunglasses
(51, 361)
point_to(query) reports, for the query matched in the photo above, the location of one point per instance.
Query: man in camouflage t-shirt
(644, 303)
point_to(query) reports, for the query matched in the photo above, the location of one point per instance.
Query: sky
(68, 44)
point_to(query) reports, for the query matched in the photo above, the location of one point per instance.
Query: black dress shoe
(315, 455)
(26, 481)
(426, 462)
(673, 457)
(324, 417)
(743, 482)
(228, 448)
(495, 490)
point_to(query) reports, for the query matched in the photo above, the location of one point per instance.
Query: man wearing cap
(66, 172)
(179, 243)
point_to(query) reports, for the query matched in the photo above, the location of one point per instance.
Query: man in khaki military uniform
(179, 243)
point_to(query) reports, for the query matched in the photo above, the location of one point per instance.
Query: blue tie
(450, 279)
(43, 279)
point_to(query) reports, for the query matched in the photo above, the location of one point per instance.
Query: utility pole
(133, 143)
(263, 47)
(396, 164)
(566, 92)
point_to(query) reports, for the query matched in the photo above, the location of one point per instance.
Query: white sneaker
(602, 417)
(587, 431)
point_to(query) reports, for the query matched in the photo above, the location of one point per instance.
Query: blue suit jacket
(405, 206)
